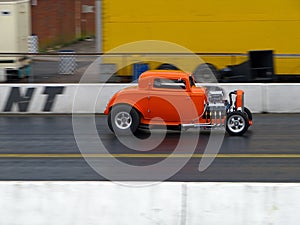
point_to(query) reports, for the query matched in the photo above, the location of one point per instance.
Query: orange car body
(164, 97)
(171, 98)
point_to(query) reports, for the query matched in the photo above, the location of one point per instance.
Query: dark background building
(57, 22)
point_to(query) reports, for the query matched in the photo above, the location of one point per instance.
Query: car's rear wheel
(123, 120)
(237, 123)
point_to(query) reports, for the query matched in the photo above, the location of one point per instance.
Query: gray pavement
(44, 148)
(46, 67)
(85, 46)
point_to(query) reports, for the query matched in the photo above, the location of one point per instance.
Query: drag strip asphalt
(44, 147)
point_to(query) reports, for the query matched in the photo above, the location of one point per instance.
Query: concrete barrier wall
(92, 98)
(283, 98)
(94, 203)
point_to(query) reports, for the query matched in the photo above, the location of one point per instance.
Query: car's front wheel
(237, 123)
(123, 120)
(248, 113)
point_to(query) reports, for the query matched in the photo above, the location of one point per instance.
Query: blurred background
(54, 41)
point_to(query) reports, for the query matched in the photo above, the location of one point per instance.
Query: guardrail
(92, 98)
(69, 203)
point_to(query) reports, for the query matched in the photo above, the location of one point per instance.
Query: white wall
(91, 98)
(169, 203)
(282, 98)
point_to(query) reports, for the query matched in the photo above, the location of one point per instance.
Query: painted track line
(149, 155)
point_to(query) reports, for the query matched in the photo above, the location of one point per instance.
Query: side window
(169, 83)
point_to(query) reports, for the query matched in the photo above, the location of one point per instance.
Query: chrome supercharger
(216, 108)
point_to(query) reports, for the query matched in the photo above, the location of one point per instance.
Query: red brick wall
(88, 19)
(61, 21)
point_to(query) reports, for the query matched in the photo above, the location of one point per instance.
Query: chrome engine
(216, 107)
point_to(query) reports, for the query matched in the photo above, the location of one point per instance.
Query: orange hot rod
(171, 98)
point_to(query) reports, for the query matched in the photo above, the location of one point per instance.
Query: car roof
(165, 74)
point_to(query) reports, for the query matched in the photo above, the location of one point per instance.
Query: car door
(170, 100)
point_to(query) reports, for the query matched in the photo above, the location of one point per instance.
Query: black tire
(206, 73)
(123, 120)
(248, 112)
(167, 66)
(109, 122)
(237, 123)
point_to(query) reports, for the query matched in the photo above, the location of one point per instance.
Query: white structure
(171, 203)
(93, 98)
(15, 23)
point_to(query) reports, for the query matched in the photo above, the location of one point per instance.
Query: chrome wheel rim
(123, 120)
(236, 123)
